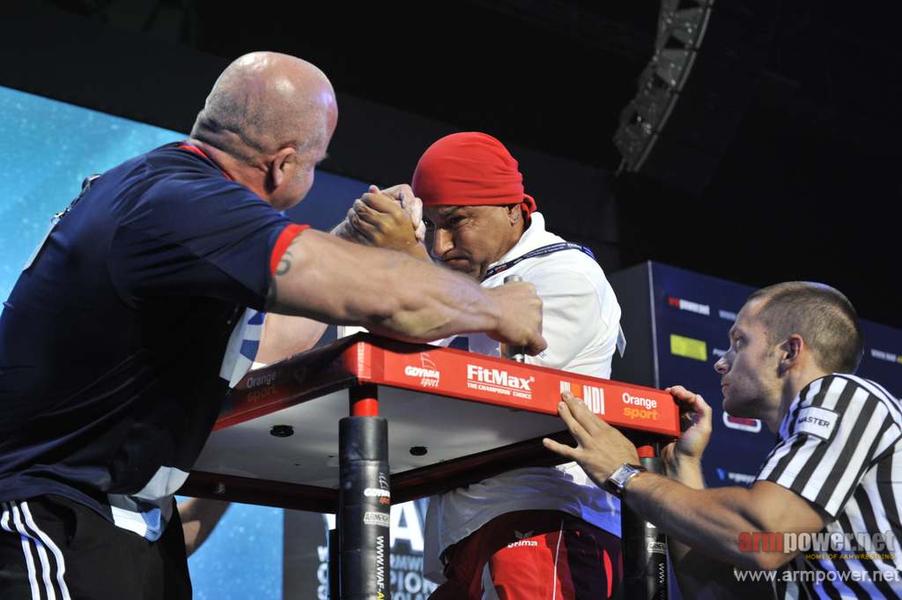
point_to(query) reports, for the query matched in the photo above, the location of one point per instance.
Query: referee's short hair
(822, 315)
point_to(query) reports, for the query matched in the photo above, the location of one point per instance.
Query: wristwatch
(616, 483)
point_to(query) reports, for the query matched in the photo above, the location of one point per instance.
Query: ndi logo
(427, 373)
(499, 381)
(592, 396)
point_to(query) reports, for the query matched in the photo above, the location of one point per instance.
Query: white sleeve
(241, 350)
(572, 316)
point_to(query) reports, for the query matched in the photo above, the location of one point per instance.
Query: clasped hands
(390, 218)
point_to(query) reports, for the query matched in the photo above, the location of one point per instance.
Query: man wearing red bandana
(533, 533)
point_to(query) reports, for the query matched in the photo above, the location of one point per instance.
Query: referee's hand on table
(683, 458)
(600, 449)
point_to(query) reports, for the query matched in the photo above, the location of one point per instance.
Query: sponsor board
(496, 381)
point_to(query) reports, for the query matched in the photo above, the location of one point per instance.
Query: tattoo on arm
(284, 263)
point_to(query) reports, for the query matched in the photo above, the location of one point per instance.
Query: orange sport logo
(637, 407)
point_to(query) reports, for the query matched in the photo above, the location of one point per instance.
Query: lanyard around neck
(541, 251)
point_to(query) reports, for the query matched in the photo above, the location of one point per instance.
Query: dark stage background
(779, 160)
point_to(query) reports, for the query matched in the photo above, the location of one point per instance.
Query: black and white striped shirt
(840, 447)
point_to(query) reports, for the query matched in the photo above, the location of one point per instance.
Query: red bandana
(469, 168)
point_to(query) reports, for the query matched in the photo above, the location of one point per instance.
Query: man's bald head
(265, 101)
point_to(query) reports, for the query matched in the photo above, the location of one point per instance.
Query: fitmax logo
(499, 377)
(499, 381)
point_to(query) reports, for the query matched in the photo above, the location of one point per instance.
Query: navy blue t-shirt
(111, 343)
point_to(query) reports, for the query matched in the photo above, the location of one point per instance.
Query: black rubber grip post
(364, 505)
(645, 567)
(333, 564)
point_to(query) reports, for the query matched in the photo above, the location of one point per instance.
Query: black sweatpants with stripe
(54, 549)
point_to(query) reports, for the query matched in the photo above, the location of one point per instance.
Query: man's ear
(791, 349)
(279, 168)
(513, 213)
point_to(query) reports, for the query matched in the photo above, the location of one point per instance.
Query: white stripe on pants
(17, 518)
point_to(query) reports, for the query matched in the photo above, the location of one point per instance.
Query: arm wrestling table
(456, 418)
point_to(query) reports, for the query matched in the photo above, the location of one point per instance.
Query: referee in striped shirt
(834, 475)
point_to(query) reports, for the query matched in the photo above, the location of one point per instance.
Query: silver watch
(616, 483)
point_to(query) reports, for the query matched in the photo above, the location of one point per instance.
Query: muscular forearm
(284, 336)
(709, 521)
(698, 572)
(689, 473)
(393, 294)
